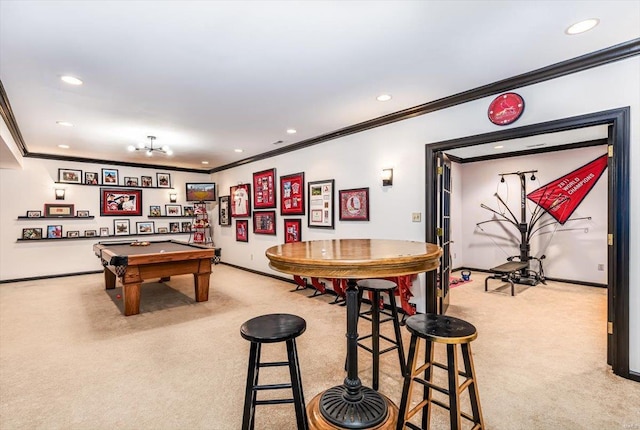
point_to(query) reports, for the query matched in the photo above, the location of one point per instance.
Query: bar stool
(376, 287)
(452, 332)
(273, 328)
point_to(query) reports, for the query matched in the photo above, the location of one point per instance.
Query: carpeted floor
(69, 359)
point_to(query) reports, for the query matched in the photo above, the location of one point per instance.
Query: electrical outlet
(600, 267)
(416, 217)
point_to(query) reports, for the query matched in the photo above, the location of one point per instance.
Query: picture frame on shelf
(173, 210)
(104, 231)
(174, 227)
(82, 214)
(145, 227)
(354, 204)
(121, 227)
(130, 181)
(119, 202)
(89, 233)
(240, 200)
(292, 194)
(224, 218)
(155, 211)
(73, 234)
(242, 230)
(32, 233)
(320, 198)
(163, 180)
(59, 210)
(146, 181)
(188, 210)
(70, 176)
(110, 177)
(186, 226)
(91, 178)
(34, 214)
(162, 230)
(264, 222)
(54, 231)
(292, 230)
(264, 189)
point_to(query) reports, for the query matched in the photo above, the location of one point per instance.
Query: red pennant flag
(561, 197)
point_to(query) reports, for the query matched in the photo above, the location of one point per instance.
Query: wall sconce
(60, 193)
(387, 177)
(173, 197)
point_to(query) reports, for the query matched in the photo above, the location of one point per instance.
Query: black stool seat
(441, 328)
(273, 328)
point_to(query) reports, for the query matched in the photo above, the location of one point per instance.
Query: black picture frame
(264, 222)
(120, 202)
(354, 204)
(163, 180)
(320, 202)
(224, 214)
(70, 176)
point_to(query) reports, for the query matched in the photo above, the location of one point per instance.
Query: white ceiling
(207, 77)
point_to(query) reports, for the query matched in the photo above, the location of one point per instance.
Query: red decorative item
(506, 108)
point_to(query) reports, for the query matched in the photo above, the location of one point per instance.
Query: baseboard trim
(634, 376)
(566, 281)
(38, 278)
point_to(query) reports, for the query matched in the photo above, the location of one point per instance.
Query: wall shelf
(170, 216)
(33, 218)
(98, 237)
(116, 186)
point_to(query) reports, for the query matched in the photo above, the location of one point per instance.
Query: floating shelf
(54, 217)
(99, 237)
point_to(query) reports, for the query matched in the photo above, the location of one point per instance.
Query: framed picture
(223, 211)
(200, 191)
(110, 177)
(292, 194)
(89, 233)
(264, 222)
(240, 200)
(90, 178)
(58, 210)
(32, 233)
(146, 181)
(121, 227)
(117, 202)
(104, 231)
(242, 230)
(187, 211)
(54, 231)
(354, 204)
(82, 214)
(292, 230)
(163, 180)
(264, 189)
(174, 227)
(154, 211)
(73, 233)
(34, 214)
(173, 210)
(130, 182)
(70, 176)
(145, 227)
(186, 226)
(321, 198)
(162, 230)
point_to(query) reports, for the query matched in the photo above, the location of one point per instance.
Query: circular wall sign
(506, 108)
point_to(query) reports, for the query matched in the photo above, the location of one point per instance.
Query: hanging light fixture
(150, 149)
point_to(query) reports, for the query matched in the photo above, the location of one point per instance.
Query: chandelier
(150, 149)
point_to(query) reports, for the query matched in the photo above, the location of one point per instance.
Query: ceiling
(209, 77)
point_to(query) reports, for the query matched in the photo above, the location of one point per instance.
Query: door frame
(618, 121)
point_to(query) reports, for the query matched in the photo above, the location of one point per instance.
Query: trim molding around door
(618, 120)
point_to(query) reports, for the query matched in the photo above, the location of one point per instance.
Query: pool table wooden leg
(131, 298)
(201, 282)
(109, 279)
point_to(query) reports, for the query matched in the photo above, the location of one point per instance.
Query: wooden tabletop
(354, 258)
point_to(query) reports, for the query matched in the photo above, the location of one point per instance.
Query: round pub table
(352, 405)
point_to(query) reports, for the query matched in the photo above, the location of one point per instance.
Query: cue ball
(162, 250)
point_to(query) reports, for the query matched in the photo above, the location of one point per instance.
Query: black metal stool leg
(473, 388)
(248, 420)
(396, 328)
(296, 385)
(406, 388)
(375, 337)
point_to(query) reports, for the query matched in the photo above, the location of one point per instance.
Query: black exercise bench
(506, 272)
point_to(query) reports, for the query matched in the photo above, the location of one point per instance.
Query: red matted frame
(242, 230)
(240, 200)
(292, 230)
(264, 222)
(292, 194)
(354, 204)
(264, 189)
(112, 202)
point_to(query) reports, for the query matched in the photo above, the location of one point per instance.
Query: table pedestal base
(318, 422)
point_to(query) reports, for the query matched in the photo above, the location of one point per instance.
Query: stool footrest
(273, 402)
(412, 426)
(432, 385)
(271, 387)
(275, 364)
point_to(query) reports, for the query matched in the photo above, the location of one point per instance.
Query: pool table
(134, 264)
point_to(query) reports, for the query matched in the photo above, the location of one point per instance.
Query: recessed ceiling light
(238, 150)
(292, 131)
(582, 26)
(383, 98)
(64, 123)
(63, 146)
(205, 162)
(71, 80)
(498, 147)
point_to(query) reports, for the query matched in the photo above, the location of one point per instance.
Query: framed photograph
(162, 230)
(90, 178)
(118, 202)
(321, 198)
(146, 181)
(292, 194)
(89, 233)
(242, 230)
(186, 226)
(154, 211)
(59, 210)
(223, 211)
(292, 230)
(104, 231)
(32, 233)
(145, 227)
(354, 204)
(34, 214)
(110, 177)
(173, 210)
(70, 176)
(240, 200)
(188, 211)
(264, 189)
(130, 182)
(264, 222)
(121, 227)
(54, 232)
(74, 233)
(163, 180)
(200, 191)
(174, 227)
(82, 214)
